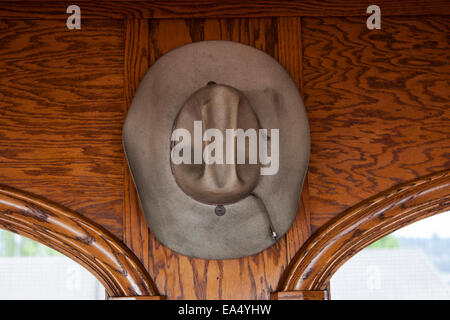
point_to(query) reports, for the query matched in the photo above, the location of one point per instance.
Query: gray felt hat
(216, 210)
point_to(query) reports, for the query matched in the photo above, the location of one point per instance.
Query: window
(411, 263)
(30, 270)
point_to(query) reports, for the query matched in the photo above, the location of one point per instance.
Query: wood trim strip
(136, 63)
(343, 237)
(216, 8)
(289, 54)
(299, 295)
(138, 298)
(82, 240)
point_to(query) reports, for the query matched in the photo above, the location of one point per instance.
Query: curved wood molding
(68, 232)
(343, 237)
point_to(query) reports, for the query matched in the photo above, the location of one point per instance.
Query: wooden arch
(82, 240)
(336, 242)
(307, 276)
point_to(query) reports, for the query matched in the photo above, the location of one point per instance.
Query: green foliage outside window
(13, 245)
(386, 242)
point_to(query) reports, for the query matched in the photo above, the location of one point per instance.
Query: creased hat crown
(219, 107)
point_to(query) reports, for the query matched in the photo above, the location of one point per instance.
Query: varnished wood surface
(379, 106)
(218, 8)
(300, 295)
(61, 114)
(62, 138)
(343, 237)
(136, 63)
(180, 277)
(70, 233)
(146, 298)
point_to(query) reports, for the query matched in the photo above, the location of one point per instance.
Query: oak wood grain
(289, 55)
(137, 298)
(378, 102)
(61, 114)
(218, 9)
(344, 236)
(82, 240)
(136, 62)
(300, 295)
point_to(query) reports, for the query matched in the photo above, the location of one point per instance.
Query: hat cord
(273, 233)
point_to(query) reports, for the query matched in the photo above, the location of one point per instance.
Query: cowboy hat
(205, 192)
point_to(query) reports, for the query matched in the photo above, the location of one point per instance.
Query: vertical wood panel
(253, 277)
(289, 45)
(136, 61)
(378, 103)
(290, 55)
(61, 113)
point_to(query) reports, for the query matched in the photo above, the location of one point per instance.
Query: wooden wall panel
(177, 276)
(61, 113)
(378, 103)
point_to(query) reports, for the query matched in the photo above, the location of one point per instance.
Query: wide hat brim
(180, 222)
